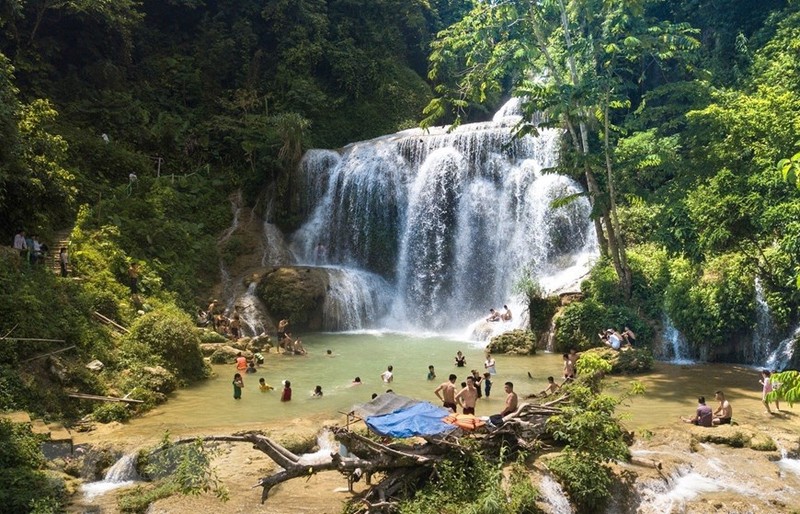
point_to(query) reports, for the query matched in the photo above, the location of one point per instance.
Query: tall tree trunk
(616, 244)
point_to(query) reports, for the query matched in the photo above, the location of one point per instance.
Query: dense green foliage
(592, 435)
(26, 488)
(475, 485)
(174, 469)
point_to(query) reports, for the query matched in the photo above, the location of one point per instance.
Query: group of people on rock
(495, 315)
(220, 321)
(617, 340)
(705, 417)
(723, 414)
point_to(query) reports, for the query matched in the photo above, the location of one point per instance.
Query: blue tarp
(420, 419)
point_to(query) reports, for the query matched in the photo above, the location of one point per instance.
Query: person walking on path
(133, 276)
(63, 261)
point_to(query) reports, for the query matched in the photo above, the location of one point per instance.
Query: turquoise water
(671, 389)
(355, 354)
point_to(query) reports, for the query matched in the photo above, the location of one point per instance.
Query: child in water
(317, 392)
(431, 373)
(287, 391)
(238, 385)
(487, 383)
(264, 386)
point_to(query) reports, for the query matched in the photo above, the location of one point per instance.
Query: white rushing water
(327, 446)
(448, 219)
(121, 474)
(676, 348)
(554, 495)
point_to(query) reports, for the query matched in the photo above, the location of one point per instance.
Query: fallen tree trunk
(402, 465)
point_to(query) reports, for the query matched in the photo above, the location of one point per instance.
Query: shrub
(587, 483)
(112, 411)
(713, 304)
(25, 488)
(171, 335)
(518, 342)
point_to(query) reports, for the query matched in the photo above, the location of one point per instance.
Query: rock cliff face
(295, 293)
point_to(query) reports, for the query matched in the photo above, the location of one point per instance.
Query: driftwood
(400, 465)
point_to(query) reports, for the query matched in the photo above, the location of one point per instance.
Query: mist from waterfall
(449, 220)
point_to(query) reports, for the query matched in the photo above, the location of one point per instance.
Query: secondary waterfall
(768, 351)
(675, 348)
(122, 473)
(449, 219)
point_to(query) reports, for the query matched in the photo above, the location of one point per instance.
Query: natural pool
(671, 389)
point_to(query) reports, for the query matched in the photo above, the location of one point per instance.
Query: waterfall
(251, 312)
(788, 464)
(779, 358)
(355, 299)
(764, 329)
(323, 455)
(554, 495)
(449, 219)
(675, 344)
(122, 473)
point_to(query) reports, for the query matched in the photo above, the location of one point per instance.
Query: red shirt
(241, 363)
(287, 394)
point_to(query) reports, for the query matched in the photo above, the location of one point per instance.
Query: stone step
(16, 416)
(40, 427)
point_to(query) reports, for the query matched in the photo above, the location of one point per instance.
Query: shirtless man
(468, 396)
(506, 316)
(493, 315)
(724, 412)
(511, 399)
(551, 388)
(448, 393)
(569, 368)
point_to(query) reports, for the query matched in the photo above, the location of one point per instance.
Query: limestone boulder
(515, 342)
(295, 293)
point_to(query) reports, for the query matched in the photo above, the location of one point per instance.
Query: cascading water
(781, 356)
(675, 345)
(766, 352)
(449, 219)
(355, 298)
(764, 329)
(121, 474)
(553, 494)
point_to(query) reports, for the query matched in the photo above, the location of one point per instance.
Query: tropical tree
(579, 62)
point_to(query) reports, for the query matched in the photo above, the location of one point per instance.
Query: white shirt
(19, 242)
(489, 365)
(387, 376)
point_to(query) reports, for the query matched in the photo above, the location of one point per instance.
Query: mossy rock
(631, 360)
(514, 342)
(295, 293)
(300, 441)
(763, 443)
(729, 436)
(210, 336)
